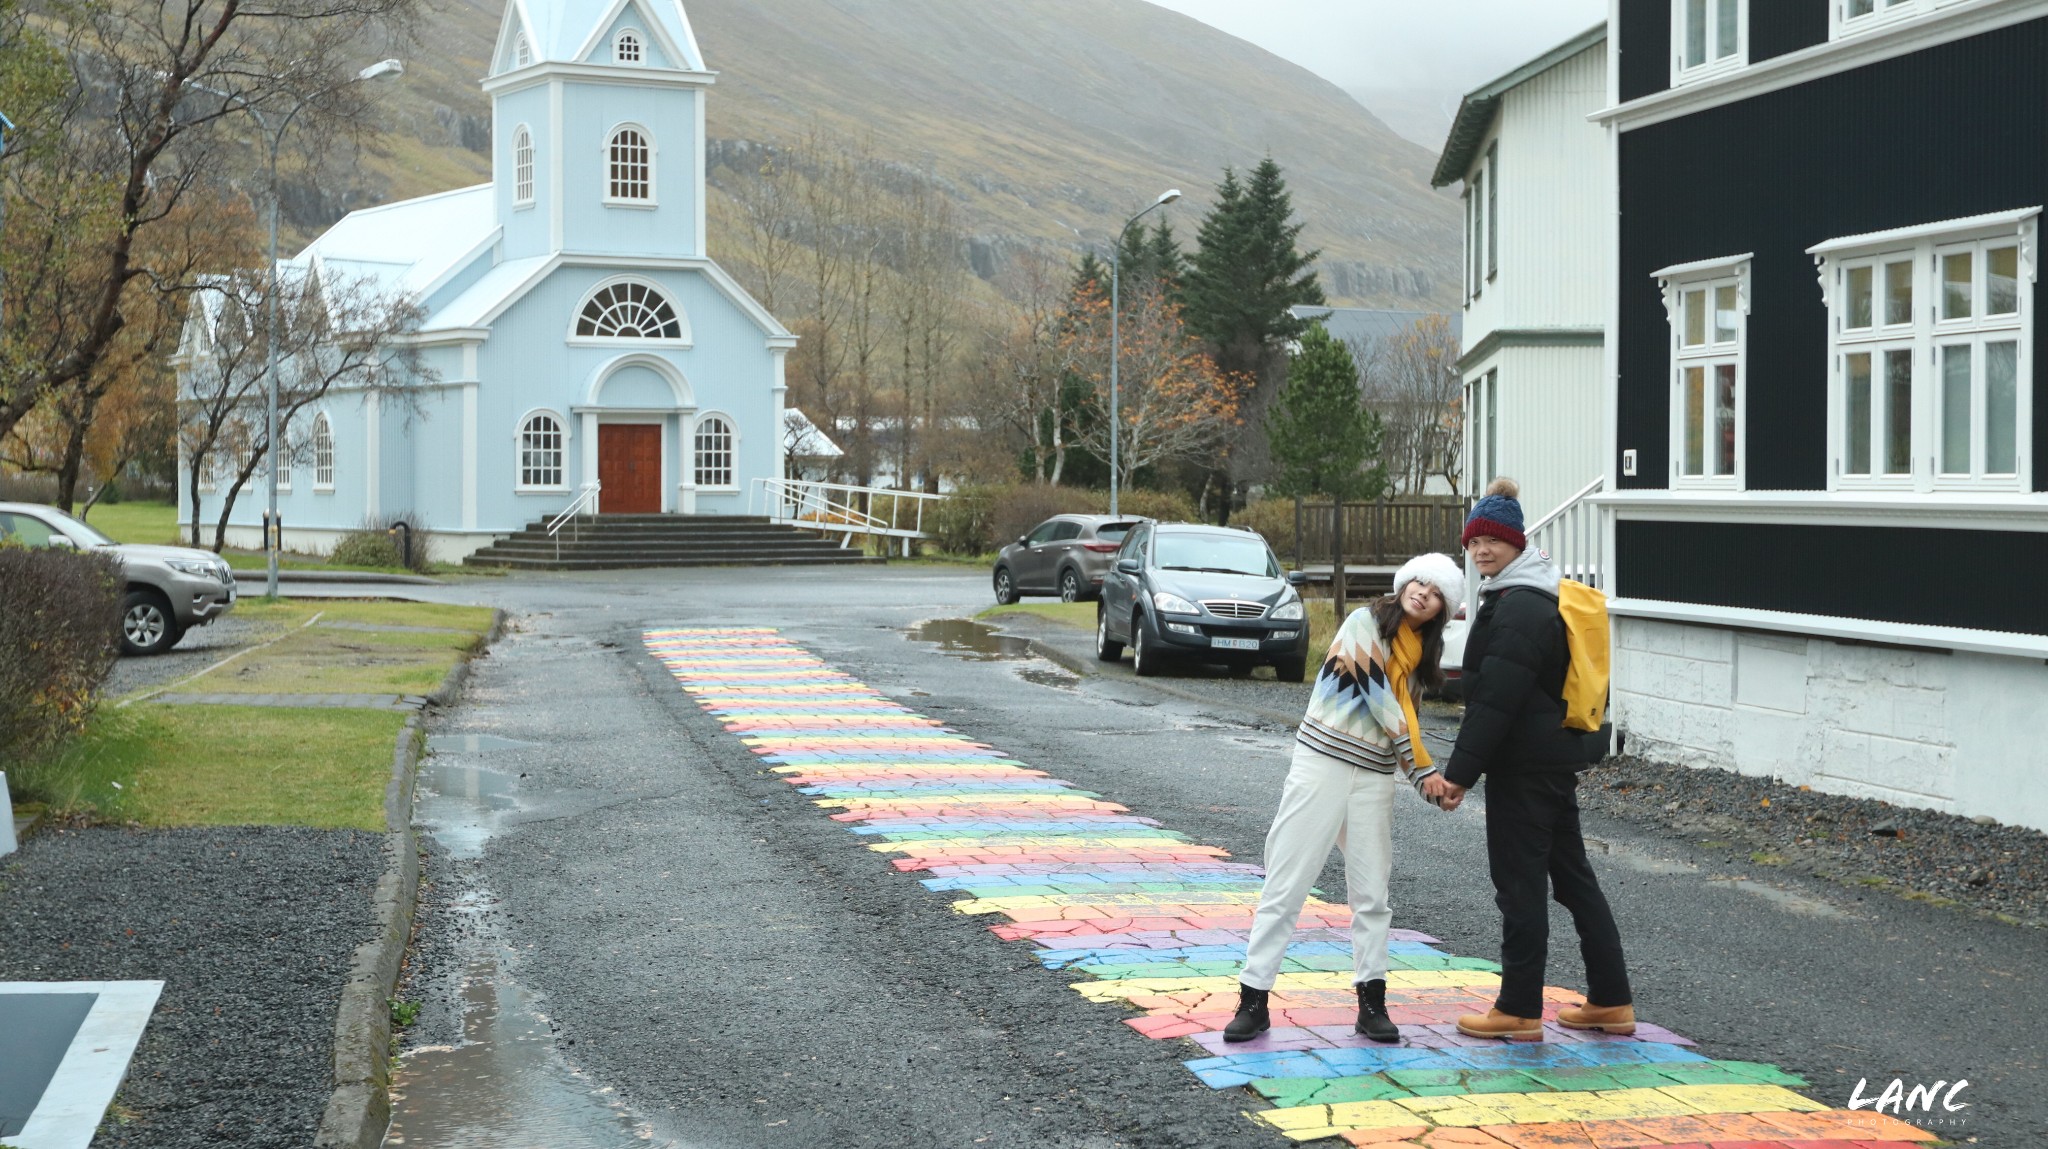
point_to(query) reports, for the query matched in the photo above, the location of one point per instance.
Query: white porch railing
(1575, 534)
(840, 509)
(572, 516)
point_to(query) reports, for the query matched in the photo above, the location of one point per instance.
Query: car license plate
(1234, 643)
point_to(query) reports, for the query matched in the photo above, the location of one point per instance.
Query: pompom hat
(1439, 571)
(1498, 514)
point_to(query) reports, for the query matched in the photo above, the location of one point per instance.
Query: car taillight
(1104, 548)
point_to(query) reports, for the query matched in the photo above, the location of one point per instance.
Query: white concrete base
(1940, 730)
(7, 843)
(442, 546)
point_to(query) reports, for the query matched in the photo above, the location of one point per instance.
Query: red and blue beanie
(1499, 515)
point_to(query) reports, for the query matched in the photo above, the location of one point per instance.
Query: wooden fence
(1384, 533)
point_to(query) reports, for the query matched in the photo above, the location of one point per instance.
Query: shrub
(960, 525)
(1273, 518)
(1015, 510)
(375, 546)
(59, 636)
(1165, 506)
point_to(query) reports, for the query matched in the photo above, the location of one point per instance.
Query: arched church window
(522, 51)
(626, 49)
(540, 451)
(632, 165)
(714, 451)
(522, 165)
(629, 310)
(323, 453)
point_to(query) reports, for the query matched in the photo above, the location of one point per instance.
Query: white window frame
(1477, 200)
(522, 51)
(1713, 65)
(283, 463)
(323, 455)
(1492, 211)
(519, 448)
(732, 452)
(1924, 338)
(639, 46)
(675, 306)
(610, 181)
(1707, 279)
(1882, 14)
(522, 166)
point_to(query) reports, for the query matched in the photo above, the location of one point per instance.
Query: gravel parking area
(199, 649)
(1919, 854)
(251, 930)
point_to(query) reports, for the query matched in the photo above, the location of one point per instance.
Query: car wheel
(147, 626)
(1070, 586)
(1006, 587)
(1107, 649)
(1291, 670)
(1145, 656)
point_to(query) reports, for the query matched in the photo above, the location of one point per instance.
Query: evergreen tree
(1091, 274)
(1325, 441)
(1164, 258)
(1248, 270)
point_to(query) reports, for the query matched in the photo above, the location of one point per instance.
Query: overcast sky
(1415, 57)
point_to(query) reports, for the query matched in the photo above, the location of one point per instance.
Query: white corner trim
(70, 1109)
(1830, 626)
(1957, 22)
(1997, 221)
(1703, 268)
(1954, 510)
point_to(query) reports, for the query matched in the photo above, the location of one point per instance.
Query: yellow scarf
(1402, 661)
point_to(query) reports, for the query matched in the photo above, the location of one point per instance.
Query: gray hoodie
(1532, 568)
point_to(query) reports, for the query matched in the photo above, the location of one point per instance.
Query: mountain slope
(1049, 121)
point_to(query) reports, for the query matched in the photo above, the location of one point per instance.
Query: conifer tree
(1324, 440)
(1249, 271)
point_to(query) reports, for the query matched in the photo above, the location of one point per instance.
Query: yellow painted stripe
(1118, 988)
(1312, 1122)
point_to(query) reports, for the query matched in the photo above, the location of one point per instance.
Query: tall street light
(273, 529)
(1116, 338)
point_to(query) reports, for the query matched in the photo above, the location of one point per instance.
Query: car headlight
(195, 568)
(1286, 612)
(1173, 603)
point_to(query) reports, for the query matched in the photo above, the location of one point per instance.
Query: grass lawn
(1322, 619)
(162, 765)
(158, 523)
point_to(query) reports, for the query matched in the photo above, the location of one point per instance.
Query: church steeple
(598, 128)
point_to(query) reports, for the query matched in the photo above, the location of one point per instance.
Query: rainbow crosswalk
(1160, 922)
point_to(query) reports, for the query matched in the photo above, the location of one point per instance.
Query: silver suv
(167, 590)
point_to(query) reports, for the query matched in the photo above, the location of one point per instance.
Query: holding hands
(1444, 793)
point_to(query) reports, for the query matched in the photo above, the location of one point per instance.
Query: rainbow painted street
(1159, 924)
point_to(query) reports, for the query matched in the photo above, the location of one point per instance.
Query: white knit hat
(1439, 571)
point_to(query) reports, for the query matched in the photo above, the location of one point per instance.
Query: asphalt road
(716, 958)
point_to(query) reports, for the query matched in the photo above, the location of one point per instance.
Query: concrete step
(568, 563)
(720, 554)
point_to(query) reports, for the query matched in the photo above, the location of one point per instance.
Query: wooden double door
(629, 468)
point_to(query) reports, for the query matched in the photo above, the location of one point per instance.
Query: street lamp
(1116, 340)
(273, 529)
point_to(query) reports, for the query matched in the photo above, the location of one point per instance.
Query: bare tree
(1411, 381)
(1174, 405)
(1020, 371)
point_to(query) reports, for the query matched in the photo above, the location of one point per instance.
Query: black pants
(1535, 849)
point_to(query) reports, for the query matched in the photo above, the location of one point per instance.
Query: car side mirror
(1023, 540)
(1129, 566)
(1297, 578)
(62, 543)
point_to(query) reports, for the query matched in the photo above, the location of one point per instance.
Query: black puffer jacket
(1515, 662)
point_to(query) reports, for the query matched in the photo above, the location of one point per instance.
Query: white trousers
(1326, 803)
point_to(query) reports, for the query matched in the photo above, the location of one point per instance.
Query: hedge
(59, 636)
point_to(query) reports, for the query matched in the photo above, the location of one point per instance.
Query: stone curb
(367, 578)
(360, 1109)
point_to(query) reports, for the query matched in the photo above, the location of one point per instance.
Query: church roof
(409, 247)
(564, 31)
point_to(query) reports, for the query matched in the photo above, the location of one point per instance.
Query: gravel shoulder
(200, 648)
(251, 930)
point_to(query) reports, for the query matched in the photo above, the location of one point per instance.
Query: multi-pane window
(630, 173)
(540, 451)
(1850, 17)
(714, 452)
(1710, 37)
(628, 310)
(1492, 209)
(323, 454)
(1478, 244)
(626, 48)
(522, 165)
(522, 51)
(1931, 340)
(1708, 304)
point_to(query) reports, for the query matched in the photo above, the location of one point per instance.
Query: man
(1514, 734)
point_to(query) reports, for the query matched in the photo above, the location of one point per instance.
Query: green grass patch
(1081, 614)
(158, 523)
(323, 659)
(1763, 858)
(222, 766)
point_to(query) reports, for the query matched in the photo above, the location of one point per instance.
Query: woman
(1359, 732)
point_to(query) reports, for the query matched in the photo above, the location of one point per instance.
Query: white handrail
(1576, 537)
(836, 508)
(1592, 488)
(586, 498)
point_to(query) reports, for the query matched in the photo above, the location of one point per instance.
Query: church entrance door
(629, 468)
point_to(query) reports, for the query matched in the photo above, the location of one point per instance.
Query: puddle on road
(979, 642)
(503, 1086)
(474, 743)
(463, 806)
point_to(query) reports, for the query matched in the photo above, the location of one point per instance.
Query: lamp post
(273, 529)
(1116, 339)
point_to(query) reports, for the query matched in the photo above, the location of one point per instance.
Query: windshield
(81, 534)
(1218, 554)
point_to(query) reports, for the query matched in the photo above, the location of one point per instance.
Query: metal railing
(844, 510)
(1575, 535)
(572, 517)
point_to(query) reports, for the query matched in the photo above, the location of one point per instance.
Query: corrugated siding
(1780, 26)
(1951, 131)
(1556, 199)
(1644, 40)
(1549, 425)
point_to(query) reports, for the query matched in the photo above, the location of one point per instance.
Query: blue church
(576, 332)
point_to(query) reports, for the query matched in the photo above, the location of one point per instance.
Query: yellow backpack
(1584, 610)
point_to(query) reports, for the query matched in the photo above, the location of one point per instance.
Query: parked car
(1455, 632)
(1066, 555)
(1207, 594)
(168, 590)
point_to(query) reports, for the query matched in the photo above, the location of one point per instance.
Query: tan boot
(1616, 1019)
(1494, 1023)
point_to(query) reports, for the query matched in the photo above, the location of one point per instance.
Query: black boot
(1373, 1021)
(1252, 1018)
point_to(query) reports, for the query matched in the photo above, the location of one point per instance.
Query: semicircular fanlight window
(629, 311)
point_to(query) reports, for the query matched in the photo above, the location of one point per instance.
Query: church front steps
(619, 542)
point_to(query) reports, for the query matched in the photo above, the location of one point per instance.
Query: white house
(576, 331)
(1538, 204)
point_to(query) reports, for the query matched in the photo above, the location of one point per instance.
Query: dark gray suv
(1205, 594)
(1066, 555)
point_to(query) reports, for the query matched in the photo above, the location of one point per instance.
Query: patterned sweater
(1361, 711)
